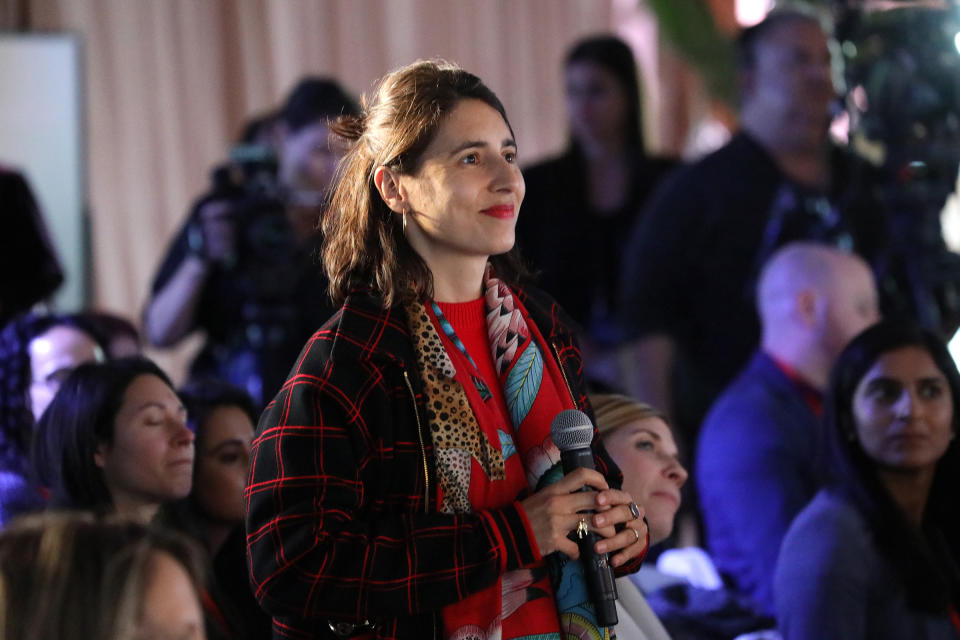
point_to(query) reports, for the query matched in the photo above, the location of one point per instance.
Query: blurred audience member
(76, 577)
(243, 266)
(36, 353)
(263, 131)
(115, 439)
(29, 266)
(222, 417)
(121, 338)
(641, 443)
(657, 604)
(581, 205)
(692, 261)
(875, 554)
(58, 344)
(756, 461)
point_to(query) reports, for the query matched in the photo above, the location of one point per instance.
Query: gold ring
(636, 533)
(582, 529)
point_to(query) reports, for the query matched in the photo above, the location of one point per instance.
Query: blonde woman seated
(639, 440)
(76, 576)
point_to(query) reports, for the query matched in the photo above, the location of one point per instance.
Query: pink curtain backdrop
(169, 82)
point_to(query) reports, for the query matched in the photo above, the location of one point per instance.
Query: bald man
(756, 464)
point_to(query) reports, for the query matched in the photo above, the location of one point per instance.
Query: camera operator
(243, 268)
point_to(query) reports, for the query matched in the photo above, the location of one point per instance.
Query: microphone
(572, 432)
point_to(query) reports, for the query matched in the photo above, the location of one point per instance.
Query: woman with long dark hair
(222, 418)
(582, 204)
(404, 483)
(115, 440)
(875, 554)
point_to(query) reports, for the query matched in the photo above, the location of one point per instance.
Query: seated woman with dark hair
(875, 554)
(120, 338)
(37, 352)
(72, 576)
(115, 439)
(222, 418)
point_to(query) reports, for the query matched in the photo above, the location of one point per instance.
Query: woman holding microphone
(404, 483)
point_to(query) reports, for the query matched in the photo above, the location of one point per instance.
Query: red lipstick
(502, 211)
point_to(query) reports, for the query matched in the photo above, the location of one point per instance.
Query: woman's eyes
(931, 390)
(153, 419)
(474, 158)
(889, 391)
(885, 390)
(644, 445)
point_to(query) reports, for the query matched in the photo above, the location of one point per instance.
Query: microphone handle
(597, 571)
(600, 582)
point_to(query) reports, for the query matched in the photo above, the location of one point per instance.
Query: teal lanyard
(450, 333)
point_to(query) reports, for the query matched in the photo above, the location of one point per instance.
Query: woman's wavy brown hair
(364, 246)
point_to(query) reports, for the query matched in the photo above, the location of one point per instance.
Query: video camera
(248, 183)
(902, 71)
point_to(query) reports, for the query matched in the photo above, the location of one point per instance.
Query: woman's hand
(554, 512)
(616, 507)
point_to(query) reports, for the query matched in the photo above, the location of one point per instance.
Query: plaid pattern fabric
(342, 521)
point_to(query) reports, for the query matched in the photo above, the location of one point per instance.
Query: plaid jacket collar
(393, 341)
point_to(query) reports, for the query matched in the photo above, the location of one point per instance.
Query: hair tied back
(349, 127)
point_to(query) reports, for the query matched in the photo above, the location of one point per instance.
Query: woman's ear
(388, 184)
(99, 456)
(808, 307)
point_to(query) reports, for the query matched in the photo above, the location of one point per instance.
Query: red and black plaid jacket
(342, 521)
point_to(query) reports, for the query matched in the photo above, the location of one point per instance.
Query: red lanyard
(213, 610)
(954, 617)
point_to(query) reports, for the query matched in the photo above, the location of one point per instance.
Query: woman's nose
(181, 433)
(905, 405)
(508, 177)
(675, 472)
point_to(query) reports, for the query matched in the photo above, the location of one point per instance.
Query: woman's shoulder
(829, 529)
(362, 346)
(830, 508)
(545, 311)
(636, 618)
(361, 329)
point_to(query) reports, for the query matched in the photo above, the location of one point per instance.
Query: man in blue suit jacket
(757, 456)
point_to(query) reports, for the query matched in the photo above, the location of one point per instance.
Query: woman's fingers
(615, 507)
(580, 478)
(631, 542)
(554, 511)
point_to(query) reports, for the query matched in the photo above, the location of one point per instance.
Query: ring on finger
(582, 529)
(634, 510)
(636, 533)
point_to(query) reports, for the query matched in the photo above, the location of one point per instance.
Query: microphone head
(571, 429)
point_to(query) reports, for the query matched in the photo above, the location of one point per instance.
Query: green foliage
(689, 27)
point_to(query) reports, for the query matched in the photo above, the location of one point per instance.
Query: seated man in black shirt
(243, 267)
